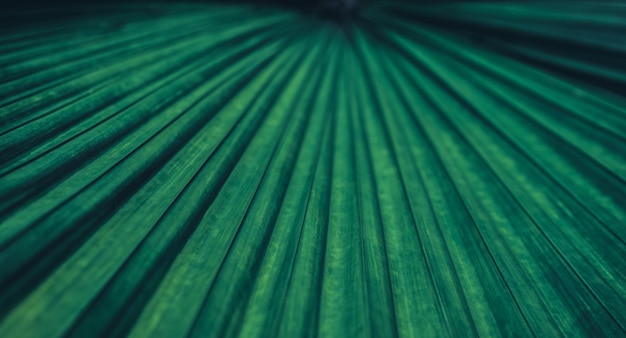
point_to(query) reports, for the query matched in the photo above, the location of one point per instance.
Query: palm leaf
(206, 169)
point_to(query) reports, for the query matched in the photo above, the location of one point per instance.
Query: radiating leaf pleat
(217, 170)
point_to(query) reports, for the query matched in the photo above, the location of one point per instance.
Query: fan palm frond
(213, 170)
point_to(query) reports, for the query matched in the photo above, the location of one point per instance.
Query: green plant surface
(221, 170)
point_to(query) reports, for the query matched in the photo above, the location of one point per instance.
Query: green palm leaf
(211, 170)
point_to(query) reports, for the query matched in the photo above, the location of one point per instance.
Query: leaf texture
(220, 170)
